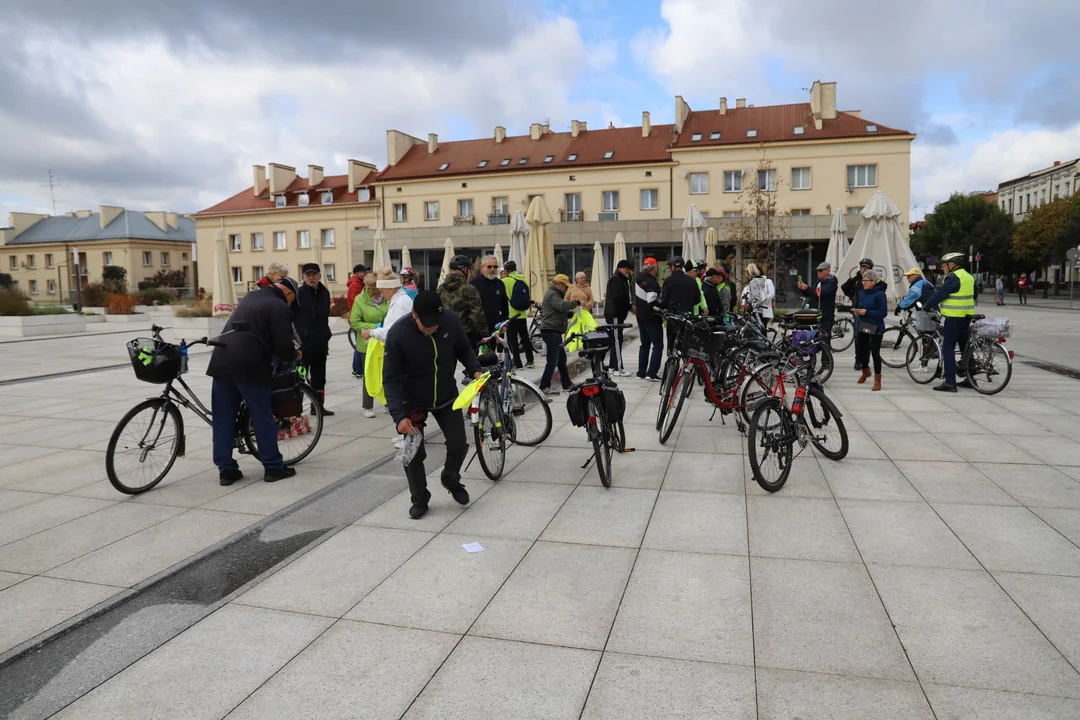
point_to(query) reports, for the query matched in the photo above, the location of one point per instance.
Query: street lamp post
(78, 279)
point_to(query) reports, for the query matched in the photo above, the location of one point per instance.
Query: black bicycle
(149, 438)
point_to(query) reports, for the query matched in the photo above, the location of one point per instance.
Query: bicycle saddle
(977, 318)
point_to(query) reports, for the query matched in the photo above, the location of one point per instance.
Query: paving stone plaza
(933, 573)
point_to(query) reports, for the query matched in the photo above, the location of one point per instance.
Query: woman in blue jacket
(873, 306)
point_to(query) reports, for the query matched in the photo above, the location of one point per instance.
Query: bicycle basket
(577, 407)
(596, 340)
(285, 395)
(924, 322)
(154, 362)
(992, 328)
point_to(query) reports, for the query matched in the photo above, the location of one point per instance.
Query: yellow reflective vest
(962, 302)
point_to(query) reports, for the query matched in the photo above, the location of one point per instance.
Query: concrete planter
(95, 310)
(133, 318)
(37, 325)
(195, 328)
(91, 319)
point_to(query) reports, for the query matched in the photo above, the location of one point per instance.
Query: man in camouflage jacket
(459, 295)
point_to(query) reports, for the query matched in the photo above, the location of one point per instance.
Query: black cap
(460, 262)
(676, 261)
(428, 307)
(623, 264)
(359, 268)
(310, 267)
(291, 284)
(711, 272)
(510, 266)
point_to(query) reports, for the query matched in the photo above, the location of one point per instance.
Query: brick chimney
(500, 133)
(535, 131)
(646, 124)
(432, 143)
(723, 106)
(314, 175)
(260, 180)
(108, 213)
(280, 177)
(740, 102)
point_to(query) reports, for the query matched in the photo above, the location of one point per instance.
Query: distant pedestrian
(368, 312)
(492, 293)
(581, 291)
(519, 300)
(1023, 286)
(464, 299)
(355, 285)
(312, 320)
(710, 289)
(999, 290)
(822, 296)
(755, 296)
(552, 328)
(616, 309)
(408, 282)
(873, 307)
(650, 321)
(957, 300)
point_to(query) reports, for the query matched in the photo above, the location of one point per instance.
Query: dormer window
(482, 163)
(871, 128)
(523, 160)
(609, 154)
(799, 129)
(505, 162)
(303, 200)
(572, 158)
(326, 197)
(549, 158)
(363, 194)
(696, 137)
(444, 166)
(751, 133)
(714, 135)
(279, 201)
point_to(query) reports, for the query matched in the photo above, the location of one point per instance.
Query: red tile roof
(774, 123)
(464, 156)
(246, 200)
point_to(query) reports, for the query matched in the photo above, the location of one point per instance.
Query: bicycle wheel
(842, 335)
(143, 447)
(824, 364)
(296, 436)
(601, 442)
(894, 346)
(827, 430)
(352, 338)
(989, 367)
(924, 359)
(530, 416)
(674, 400)
(758, 383)
(618, 434)
(667, 380)
(770, 442)
(489, 435)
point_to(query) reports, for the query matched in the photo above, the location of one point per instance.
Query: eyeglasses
(491, 267)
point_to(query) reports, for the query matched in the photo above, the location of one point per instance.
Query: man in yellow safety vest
(957, 300)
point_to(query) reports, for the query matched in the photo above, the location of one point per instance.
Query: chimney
(21, 221)
(723, 106)
(280, 177)
(500, 133)
(260, 180)
(823, 102)
(314, 175)
(575, 128)
(646, 124)
(545, 129)
(170, 220)
(108, 213)
(740, 102)
(158, 218)
(432, 143)
(682, 112)
(397, 145)
(535, 131)
(358, 172)
(1056, 163)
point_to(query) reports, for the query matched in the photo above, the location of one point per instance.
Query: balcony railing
(573, 215)
(464, 220)
(497, 218)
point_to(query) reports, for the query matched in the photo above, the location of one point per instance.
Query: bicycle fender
(816, 384)
(182, 440)
(768, 399)
(529, 384)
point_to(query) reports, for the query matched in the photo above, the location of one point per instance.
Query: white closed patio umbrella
(693, 235)
(406, 257)
(224, 291)
(498, 253)
(519, 233)
(448, 253)
(710, 247)
(599, 277)
(881, 239)
(838, 242)
(540, 254)
(380, 255)
(316, 254)
(619, 253)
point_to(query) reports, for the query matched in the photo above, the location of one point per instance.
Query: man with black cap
(822, 296)
(616, 308)
(312, 320)
(715, 289)
(258, 332)
(680, 294)
(420, 379)
(851, 288)
(356, 283)
(464, 299)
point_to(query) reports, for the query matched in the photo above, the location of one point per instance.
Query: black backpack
(520, 299)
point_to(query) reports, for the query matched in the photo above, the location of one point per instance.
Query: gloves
(897, 311)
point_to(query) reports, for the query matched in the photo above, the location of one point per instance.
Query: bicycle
(534, 329)
(352, 337)
(597, 403)
(983, 362)
(135, 440)
(500, 412)
(810, 417)
(896, 340)
(842, 333)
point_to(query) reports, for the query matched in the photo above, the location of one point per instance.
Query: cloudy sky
(155, 104)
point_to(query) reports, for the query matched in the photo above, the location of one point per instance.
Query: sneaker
(549, 391)
(417, 511)
(943, 387)
(652, 378)
(530, 365)
(358, 376)
(275, 474)
(369, 413)
(461, 495)
(398, 442)
(228, 477)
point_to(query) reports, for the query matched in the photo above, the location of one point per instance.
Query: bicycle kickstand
(471, 458)
(588, 462)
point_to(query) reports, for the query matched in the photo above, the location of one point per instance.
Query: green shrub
(14, 303)
(48, 310)
(94, 295)
(154, 296)
(203, 308)
(114, 278)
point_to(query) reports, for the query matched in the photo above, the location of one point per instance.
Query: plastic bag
(583, 322)
(373, 365)
(410, 447)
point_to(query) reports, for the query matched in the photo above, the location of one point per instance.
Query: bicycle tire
(170, 414)
(540, 406)
(757, 434)
(825, 364)
(754, 387)
(291, 453)
(489, 436)
(894, 346)
(602, 448)
(683, 386)
(671, 370)
(352, 338)
(818, 404)
(923, 351)
(619, 434)
(979, 385)
(842, 335)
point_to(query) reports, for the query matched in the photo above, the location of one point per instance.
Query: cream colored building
(286, 218)
(1018, 196)
(38, 251)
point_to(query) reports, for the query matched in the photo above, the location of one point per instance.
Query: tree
(114, 278)
(1047, 232)
(169, 279)
(761, 230)
(6, 283)
(964, 221)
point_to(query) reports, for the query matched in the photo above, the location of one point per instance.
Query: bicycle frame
(506, 373)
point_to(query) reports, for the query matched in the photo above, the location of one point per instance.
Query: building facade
(293, 220)
(1019, 195)
(39, 251)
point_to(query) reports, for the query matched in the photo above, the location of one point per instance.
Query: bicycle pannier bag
(154, 362)
(285, 394)
(520, 299)
(614, 405)
(577, 407)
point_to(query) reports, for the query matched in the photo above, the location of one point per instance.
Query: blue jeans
(956, 333)
(225, 404)
(357, 362)
(556, 358)
(652, 336)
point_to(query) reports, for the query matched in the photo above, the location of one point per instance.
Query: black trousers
(615, 360)
(452, 424)
(315, 360)
(865, 347)
(517, 336)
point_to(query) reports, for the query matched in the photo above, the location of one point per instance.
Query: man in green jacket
(552, 329)
(464, 299)
(368, 311)
(517, 327)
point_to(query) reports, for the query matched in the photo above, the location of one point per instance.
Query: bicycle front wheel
(989, 367)
(530, 415)
(824, 364)
(894, 347)
(603, 447)
(667, 380)
(924, 359)
(842, 335)
(490, 436)
(827, 430)
(144, 446)
(352, 338)
(296, 436)
(674, 400)
(770, 444)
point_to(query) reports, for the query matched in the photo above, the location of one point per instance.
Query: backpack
(520, 299)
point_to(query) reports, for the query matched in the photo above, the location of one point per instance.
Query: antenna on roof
(52, 185)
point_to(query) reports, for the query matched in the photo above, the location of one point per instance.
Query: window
(800, 211)
(326, 197)
(751, 133)
(1066, 188)
(714, 135)
(699, 183)
(853, 210)
(257, 271)
(862, 175)
(106, 258)
(572, 158)
(164, 259)
(500, 205)
(329, 272)
(482, 163)
(548, 158)
(401, 213)
(14, 262)
(279, 201)
(732, 181)
(237, 276)
(33, 287)
(800, 129)
(303, 200)
(31, 261)
(696, 137)
(505, 162)
(234, 243)
(800, 178)
(705, 214)
(431, 210)
(303, 239)
(573, 207)
(464, 208)
(609, 154)
(279, 240)
(611, 201)
(49, 261)
(766, 180)
(1026, 204)
(444, 166)
(650, 199)
(50, 287)
(732, 213)
(256, 241)
(523, 160)
(871, 128)
(147, 259)
(533, 197)
(327, 237)
(363, 194)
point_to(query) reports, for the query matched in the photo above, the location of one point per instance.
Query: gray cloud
(1054, 103)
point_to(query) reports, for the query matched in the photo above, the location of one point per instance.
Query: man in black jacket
(680, 294)
(616, 308)
(650, 321)
(492, 293)
(312, 321)
(851, 288)
(420, 378)
(711, 288)
(259, 330)
(822, 296)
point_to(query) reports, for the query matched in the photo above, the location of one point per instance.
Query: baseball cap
(712, 272)
(649, 261)
(691, 266)
(310, 267)
(913, 271)
(359, 268)
(560, 278)
(428, 308)
(291, 284)
(623, 264)
(824, 266)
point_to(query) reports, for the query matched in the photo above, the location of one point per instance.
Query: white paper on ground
(473, 547)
